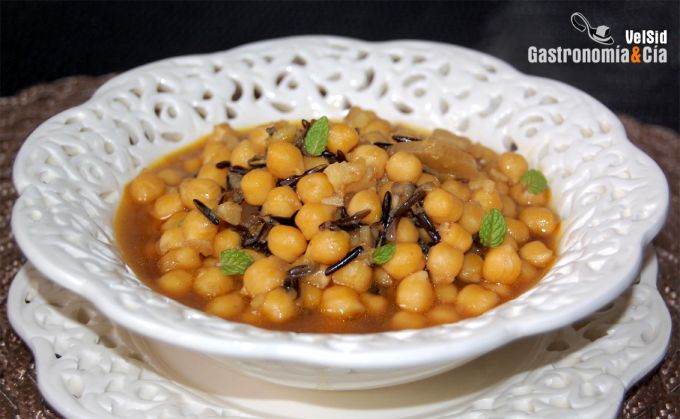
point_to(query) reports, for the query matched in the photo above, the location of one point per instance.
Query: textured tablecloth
(657, 395)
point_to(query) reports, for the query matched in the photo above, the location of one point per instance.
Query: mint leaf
(316, 139)
(384, 253)
(493, 228)
(534, 181)
(234, 261)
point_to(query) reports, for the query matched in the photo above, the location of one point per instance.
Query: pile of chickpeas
(261, 181)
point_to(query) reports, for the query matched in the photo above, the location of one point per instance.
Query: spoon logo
(601, 34)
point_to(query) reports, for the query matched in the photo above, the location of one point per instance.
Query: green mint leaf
(534, 181)
(493, 228)
(316, 139)
(234, 261)
(384, 253)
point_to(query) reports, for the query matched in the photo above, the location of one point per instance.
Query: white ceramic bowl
(70, 173)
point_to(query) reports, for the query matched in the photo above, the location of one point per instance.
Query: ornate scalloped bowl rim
(376, 351)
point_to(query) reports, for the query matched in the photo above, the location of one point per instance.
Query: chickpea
(211, 283)
(374, 157)
(314, 187)
(512, 165)
(503, 291)
(242, 153)
(471, 271)
(258, 138)
(456, 236)
(310, 295)
(482, 183)
(441, 206)
(474, 300)
(523, 197)
(502, 187)
(404, 167)
(444, 263)
(356, 275)
(446, 293)
(223, 133)
(205, 190)
(256, 185)
(377, 125)
(518, 230)
(528, 274)
(175, 220)
(487, 200)
(167, 205)
(226, 306)
(536, 253)
(427, 178)
(376, 305)
(366, 200)
(408, 258)
(384, 188)
(508, 240)
(374, 137)
(310, 216)
(213, 149)
(180, 258)
(192, 165)
(226, 239)
(311, 161)
(443, 314)
(359, 118)
(197, 226)
(284, 132)
(415, 293)
(500, 179)
(278, 306)
(146, 187)
(342, 137)
(254, 254)
(471, 219)
(341, 302)
(210, 171)
(170, 177)
(406, 232)
(175, 283)
(203, 247)
(318, 279)
(328, 247)
(210, 262)
(170, 239)
(264, 275)
(381, 278)
(284, 160)
(540, 220)
(408, 320)
(286, 242)
(281, 201)
(230, 212)
(502, 264)
(509, 206)
(457, 189)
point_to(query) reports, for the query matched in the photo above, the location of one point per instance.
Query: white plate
(88, 367)
(611, 198)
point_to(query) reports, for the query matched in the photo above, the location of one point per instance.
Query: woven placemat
(657, 395)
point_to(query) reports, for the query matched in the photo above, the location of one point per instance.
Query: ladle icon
(601, 34)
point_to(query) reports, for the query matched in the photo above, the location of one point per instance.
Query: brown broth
(138, 232)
